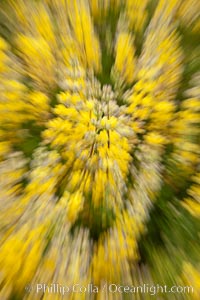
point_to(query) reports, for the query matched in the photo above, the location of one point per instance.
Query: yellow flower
(125, 60)
(99, 138)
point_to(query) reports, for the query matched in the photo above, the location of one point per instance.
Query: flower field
(99, 147)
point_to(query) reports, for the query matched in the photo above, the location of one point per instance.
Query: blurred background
(99, 149)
